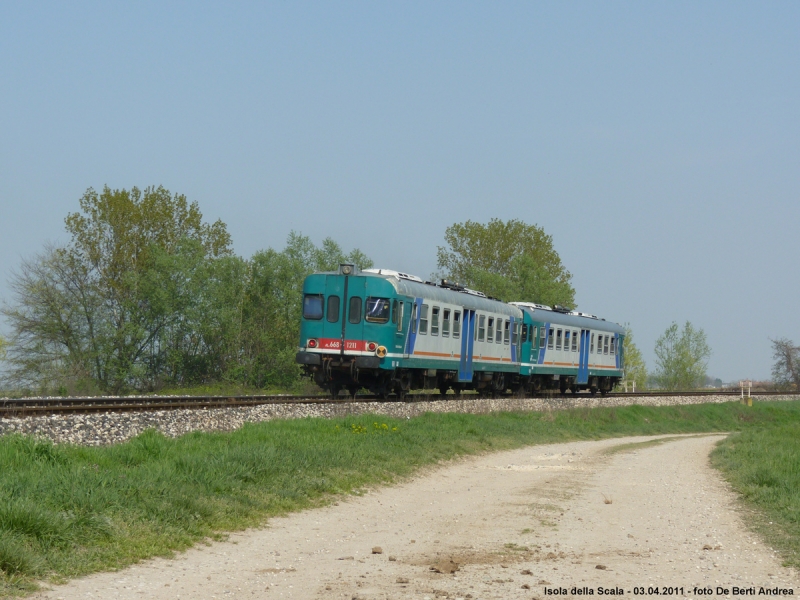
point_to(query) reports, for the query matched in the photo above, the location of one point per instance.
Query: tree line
(146, 294)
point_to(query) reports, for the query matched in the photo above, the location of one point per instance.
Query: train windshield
(378, 310)
(312, 306)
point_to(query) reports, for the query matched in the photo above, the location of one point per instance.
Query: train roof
(410, 285)
(546, 314)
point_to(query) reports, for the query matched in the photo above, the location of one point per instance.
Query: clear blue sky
(657, 142)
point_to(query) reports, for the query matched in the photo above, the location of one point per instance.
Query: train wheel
(443, 390)
(457, 389)
(334, 389)
(593, 391)
(353, 390)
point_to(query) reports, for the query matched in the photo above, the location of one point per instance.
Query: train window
(355, 310)
(550, 339)
(558, 339)
(377, 310)
(574, 341)
(507, 332)
(534, 335)
(613, 345)
(446, 322)
(333, 309)
(542, 336)
(423, 320)
(605, 345)
(400, 316)
(490, 333)
(591, 345)
(312, 306)
(394, 311)
(514, 333)
(414, 313)
(525, 333)
(435, 320)
(498, 332)
(457, 324)
(566, 339)
(481, 327)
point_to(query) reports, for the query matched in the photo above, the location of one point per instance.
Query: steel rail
(21, 407)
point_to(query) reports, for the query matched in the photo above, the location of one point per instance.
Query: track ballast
(22, 407)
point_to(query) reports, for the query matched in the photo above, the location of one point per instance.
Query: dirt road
(529, 523)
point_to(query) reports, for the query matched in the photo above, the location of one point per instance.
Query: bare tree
(786, 370)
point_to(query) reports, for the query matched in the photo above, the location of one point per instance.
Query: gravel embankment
(108, 428)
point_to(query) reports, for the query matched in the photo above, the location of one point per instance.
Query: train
(391, 332)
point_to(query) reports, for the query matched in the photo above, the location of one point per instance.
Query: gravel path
(528, 523)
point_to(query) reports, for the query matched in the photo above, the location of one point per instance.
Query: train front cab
(351, 323)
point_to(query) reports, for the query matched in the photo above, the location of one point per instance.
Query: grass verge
(763, 466)
(67, 511)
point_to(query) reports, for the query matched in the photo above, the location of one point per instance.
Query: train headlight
(381, 351)
(312, 343)
(372, 346)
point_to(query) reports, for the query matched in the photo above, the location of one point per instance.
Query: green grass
(66, 511)
(763, 466)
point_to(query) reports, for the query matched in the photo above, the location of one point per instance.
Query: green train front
(390, 332)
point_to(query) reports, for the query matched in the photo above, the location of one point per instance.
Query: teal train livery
(391, 332)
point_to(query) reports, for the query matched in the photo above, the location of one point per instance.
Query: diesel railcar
(391, 333)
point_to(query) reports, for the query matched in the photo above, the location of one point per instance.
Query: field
(67, 511)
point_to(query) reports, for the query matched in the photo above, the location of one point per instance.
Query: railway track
(23, 407)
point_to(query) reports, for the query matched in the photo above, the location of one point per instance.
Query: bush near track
(67, 511)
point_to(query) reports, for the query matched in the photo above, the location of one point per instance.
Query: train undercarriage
(335, 373)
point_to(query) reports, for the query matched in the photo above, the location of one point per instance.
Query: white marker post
(746, 383)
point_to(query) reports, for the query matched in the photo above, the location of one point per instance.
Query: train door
(583, 358)
(413, 327)
(467, 345)
(514, 339)
(544, 341)
(353, 314)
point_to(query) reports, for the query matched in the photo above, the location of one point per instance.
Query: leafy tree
(786, 370)
(52, 321)
(681, 357)
(3, 346)
(108, 305)
(635, 368)
(506, 259)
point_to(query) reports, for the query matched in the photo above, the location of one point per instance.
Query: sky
(658, 143)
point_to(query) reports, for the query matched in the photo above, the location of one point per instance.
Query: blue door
(583, 358)
(467, 344)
